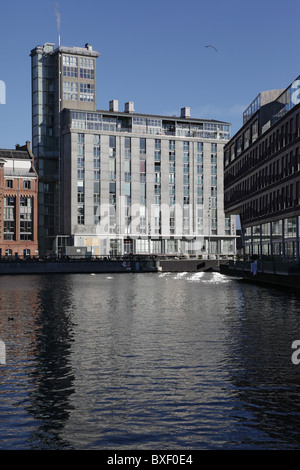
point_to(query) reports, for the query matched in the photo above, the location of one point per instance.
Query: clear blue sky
(153, 53)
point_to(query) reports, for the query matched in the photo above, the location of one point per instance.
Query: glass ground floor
(118, 246)
(278, 239)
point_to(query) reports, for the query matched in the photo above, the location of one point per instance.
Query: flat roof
(157, 116)
(87, 50)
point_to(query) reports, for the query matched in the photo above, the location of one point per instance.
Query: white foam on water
(180, 275)
(216, 278)
(196, 277)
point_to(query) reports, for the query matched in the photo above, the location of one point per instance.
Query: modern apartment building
(62, 77)
(18, 203)
(125, 182)
(262, 175)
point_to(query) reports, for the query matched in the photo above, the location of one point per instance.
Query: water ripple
(168, 361)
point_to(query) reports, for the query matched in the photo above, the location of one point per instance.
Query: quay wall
(76, 267)
(189, 265)
(280, 274)
(105, 266)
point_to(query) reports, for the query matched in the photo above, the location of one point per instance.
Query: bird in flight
(213, 47)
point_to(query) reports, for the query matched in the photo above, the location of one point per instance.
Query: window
(9, 183)
(127, 170)
(80, 162)
(143, 193)
(213, 169)
(69, 60)
(26, 230)
(27, 184)
(142, 145)
(143, 166)
(96, 145)
(80, 158)
(89, 74)
(80, 191)
(112, 169)
(127, 189)
(96, 173)
(199, 168)
(96, 162)
(70, 66)
(96, 192)
(87, 92)
(172, 167)
(112, 146)
(127, 147)
(80, 146)
(186, 190)
(157, 151)
(9, 218)
(96, 139)
(86, 63)
(70, 91)
(80, 173)
(97, 216)
(80, 214)
(70, 72)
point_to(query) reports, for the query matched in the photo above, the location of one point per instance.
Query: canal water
(147, 361)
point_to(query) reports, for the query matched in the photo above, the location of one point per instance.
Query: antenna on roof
(57, 14)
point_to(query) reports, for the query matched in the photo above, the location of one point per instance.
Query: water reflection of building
(18, 202)
(262, 175)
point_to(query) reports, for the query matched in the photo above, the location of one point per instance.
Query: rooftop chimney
(185, 112)
(114, 105)
(129, 107)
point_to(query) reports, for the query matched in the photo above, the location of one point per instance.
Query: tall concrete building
(62, 77)
(118, 182)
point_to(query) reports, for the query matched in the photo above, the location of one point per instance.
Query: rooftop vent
(129, 107)
(185, 112)
(114, 105)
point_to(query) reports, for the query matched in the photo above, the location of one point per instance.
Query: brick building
(18, 202)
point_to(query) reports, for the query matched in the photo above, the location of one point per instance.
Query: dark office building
(262, 175)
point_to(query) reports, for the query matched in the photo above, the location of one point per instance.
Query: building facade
(262, 175)
(18, 203)
(118, 182)
(62, 77)
(137, 183)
